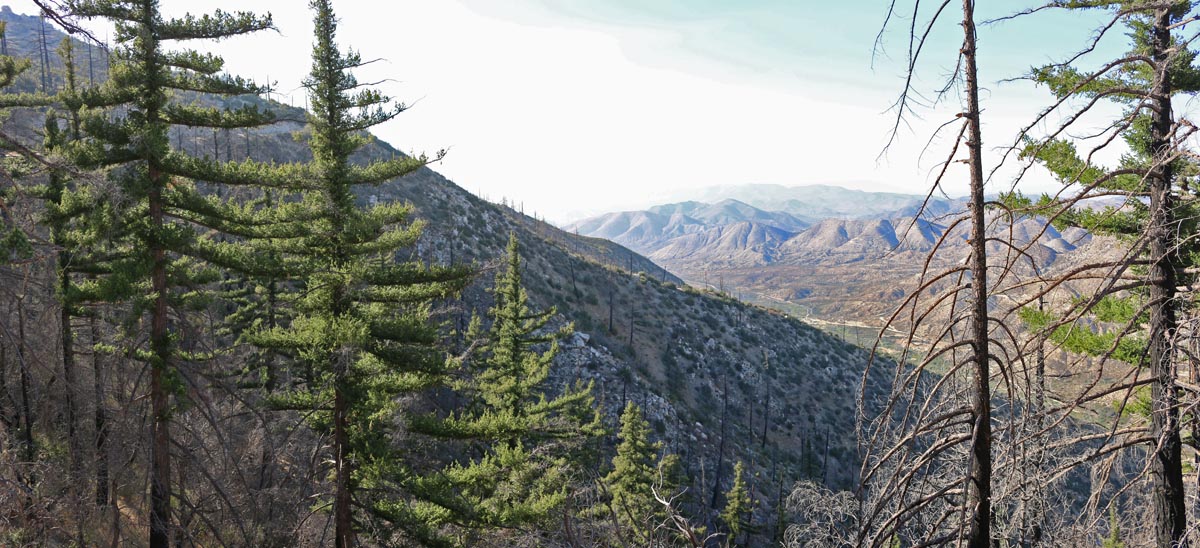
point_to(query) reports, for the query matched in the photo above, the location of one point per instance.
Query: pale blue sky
(579, 106)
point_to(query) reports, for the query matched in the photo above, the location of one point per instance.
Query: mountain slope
(729, 211)
(745, 242)
(648, 231)
(644, 336)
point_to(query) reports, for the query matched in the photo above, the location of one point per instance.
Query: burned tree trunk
(979, 492)
(1166, 466)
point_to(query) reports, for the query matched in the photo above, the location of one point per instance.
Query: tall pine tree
(170, 226)
(15, 245)
(637, 472)
(362, 321)
(531, 435)
(1156, 221)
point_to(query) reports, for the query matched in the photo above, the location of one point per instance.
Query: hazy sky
(580, 106)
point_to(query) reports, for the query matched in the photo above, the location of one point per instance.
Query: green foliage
(1113, 309)
(637, 472)
(14, 242)
(166, 241)
(1114, 531)
(737, 503)
(363, 324)
(526, 430)
(1156, 221)
(1127, 84)
(1080, 338)
(1130, 83)
(510, 373)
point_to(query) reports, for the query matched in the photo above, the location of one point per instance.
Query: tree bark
(26, 408)
(101, 418)
(980, 469)
(1166, 466)
(160, 452)
(343, 521)
(69, 373)
(716, 492)
(6, 419)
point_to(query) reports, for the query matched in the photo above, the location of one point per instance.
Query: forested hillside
(227, 321)
(721, 385)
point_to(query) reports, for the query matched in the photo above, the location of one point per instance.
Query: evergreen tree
(530, 434)
(737, 504)
(637, 472)
(169, 228)
(14, 241)
(511, 376)
(259, 303)
(362, 322)
(1155, 221)
(1114, 531)
(69, 209)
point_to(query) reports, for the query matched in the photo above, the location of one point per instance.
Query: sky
(575, 107)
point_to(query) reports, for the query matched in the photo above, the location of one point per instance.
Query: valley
(847, 272)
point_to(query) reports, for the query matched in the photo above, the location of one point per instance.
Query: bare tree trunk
(1166, 467)
(185, 515)
(1194, 377)
(716, 491)
(980, 469)
(101, 418)
(67, 339)
(767, 402)
(6, 419)
(69, 373)
(160, 452)
(44, 57)
(26, 408)
(825, 462)
(343, 524)
(611, 290)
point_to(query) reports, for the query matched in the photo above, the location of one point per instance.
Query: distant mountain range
(648, 230)
(733, 231)
(823, 247)
(811, 203)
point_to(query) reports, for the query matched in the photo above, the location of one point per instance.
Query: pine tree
(511, 377)
(737, 504)
(259, 303)
(637, 472)
(530, 434)
(169, 228)
(362, 323)
(15, 245)
(1156, 220)
(1114, 531)
(69, 209)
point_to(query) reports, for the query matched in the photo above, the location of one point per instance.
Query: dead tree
(929, 466)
